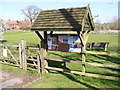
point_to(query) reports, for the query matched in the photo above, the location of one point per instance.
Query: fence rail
(9, 45)
(29, 60)
(82, 73)
(9, 64)
(85, 63)
(86, 74)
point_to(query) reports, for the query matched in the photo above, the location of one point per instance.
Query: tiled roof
(19, 24)
(24, 24)
(11, 22)
(69, 19)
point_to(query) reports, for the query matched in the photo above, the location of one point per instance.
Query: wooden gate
(9, 54)
(33, 58)
(25, 57)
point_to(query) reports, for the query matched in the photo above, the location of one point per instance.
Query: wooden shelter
(67, 19)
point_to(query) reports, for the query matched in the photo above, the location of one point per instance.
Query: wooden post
(20, 55)
(45, 43)
(46, 65)
(90, 47)
(83, 37)
(39, 35)
(106, 46)
(83, 52)
(42, 60)
(46, 49)
(24, 55)
(83, 49)
(38, 61)
(43, 50)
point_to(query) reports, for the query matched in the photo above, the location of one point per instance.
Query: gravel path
(13, 80)
(8, 80)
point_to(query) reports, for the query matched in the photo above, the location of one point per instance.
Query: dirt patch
(17, 80)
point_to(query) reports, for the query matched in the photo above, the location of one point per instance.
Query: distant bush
(115, 25)
(25, 29)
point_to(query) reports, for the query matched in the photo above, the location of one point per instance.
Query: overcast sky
(105, 9)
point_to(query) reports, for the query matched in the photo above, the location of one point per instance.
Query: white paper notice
(4, 52)
(77, 50)
(60, 38)
(49, 47)
(49, 40)
(70, 40)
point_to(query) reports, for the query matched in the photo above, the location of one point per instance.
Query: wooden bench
(98, 44)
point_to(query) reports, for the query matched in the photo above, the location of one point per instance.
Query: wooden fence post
(46, 65)
(38, 61)
(43, 53)
(20, 55)
(83, 53)
(83, 49)
(90, 47)
(45, 44)
(42, 60)
(106, 46)
(83, 37)
(23, 44)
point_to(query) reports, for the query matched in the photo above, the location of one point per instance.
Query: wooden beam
(20, 55)
(7, 60)
(51, 32)
(12, 56)
(87, 33)
(103, 65)
(31, 69)
(81, 39)
(39, 35)
(45, 39)
(9, 45)
(31, 64)
(9, 64)
(24, 61)
(45, 43)
(84, 19)
(90, 18)
(42, 60)
(83, 36)
(86, 74)
(38, 61)
(86, 63)
(60, 60)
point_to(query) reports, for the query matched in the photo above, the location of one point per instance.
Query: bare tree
(114, 24)
(31, 12)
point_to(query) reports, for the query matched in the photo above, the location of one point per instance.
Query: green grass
(16, 37)
(111, 38)
(65, 80)
(17, 70)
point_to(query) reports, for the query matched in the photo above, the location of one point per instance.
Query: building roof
(24, 24)
(68, 19)
(11, 22)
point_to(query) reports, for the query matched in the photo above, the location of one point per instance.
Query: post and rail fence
(21, 56)
(33, 58)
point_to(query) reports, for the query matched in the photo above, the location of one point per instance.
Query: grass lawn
(111, 38)
(18, 70)
(65, 80)
(15, 38)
